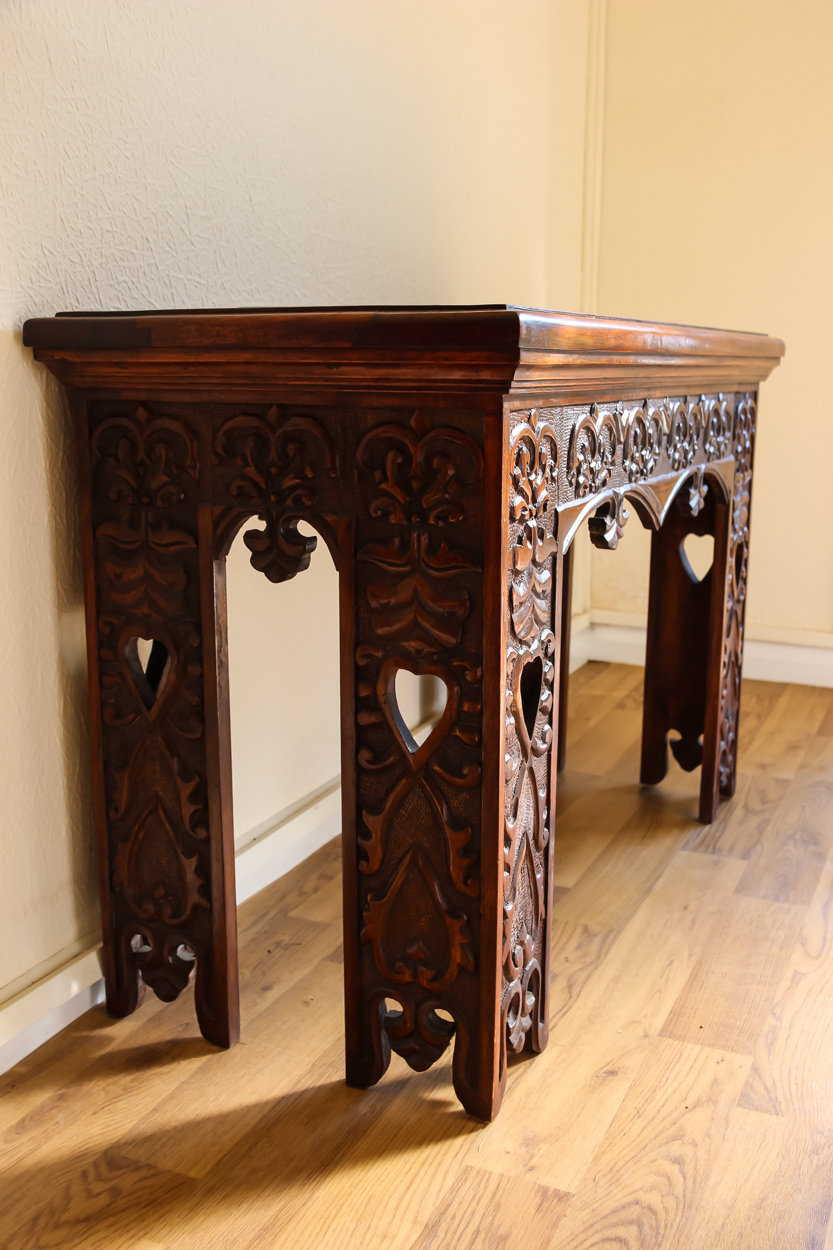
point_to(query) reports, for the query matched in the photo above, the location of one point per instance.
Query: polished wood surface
(685, 1100)
(447, 458)
(489, 347)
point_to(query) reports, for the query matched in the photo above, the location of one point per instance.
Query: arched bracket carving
(280, 550)
(281, 467)
(651, 501)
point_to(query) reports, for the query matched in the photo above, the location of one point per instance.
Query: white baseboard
(41, 1010)
(763, 661)
(286, 843)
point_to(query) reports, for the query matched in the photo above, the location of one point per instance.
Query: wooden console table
(447, 457)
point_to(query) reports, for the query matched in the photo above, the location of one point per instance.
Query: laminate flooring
(685, 1100)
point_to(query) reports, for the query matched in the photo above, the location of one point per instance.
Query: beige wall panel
(718, 181)
(262, 152)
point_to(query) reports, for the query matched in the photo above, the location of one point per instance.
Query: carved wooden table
(447, 457)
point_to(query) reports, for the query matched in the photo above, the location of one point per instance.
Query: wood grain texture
(135, 1134)
(779, 1195)
(729, 994)
(648, 1176)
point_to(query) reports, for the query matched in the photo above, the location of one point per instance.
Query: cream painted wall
(267, 151)
(717, 187)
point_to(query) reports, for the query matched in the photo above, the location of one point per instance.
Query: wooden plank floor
(685, 1099)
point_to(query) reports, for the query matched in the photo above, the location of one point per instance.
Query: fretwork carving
(735, 611)
(145, 470)
(530, 673)
(280, 467)
(419, 570)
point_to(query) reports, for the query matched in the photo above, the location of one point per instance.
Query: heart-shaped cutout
(529, 688)
(149, 661)
(403, 680)
(697, 552)
(420, 699)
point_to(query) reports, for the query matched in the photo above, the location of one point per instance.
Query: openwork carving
(145, 468)
(419, 816)
(743, 450)
(526, 834)
(280, 465)
(529, 706)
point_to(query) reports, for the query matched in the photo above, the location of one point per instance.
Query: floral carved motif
(145, 469)
(535, 457)
(717, 431)
(529, 695)
(146, 460)
(743, 449)
(593, 447)
(685, 424)
(281, 465)
(644, 428)
(419, 804)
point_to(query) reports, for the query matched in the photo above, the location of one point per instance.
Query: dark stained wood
(564, 682)
(446, 457)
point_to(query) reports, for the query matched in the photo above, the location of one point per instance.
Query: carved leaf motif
(144, 462)
(413, 605)
(158, 881)
(414, 951)
(420, 471)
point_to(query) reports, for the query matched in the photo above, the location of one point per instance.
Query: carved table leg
(564, 657)
(695, 628)
(446, 882)
(720, 740)
(159, 713)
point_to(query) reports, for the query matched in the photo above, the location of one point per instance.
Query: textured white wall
(262, 152)
(718, 181)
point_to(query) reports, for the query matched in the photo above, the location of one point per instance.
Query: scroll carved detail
(281, 466)
(535, 451)
(419, 805)
(593, 447)
(529, 695)
(743, 449)
(145, 470)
